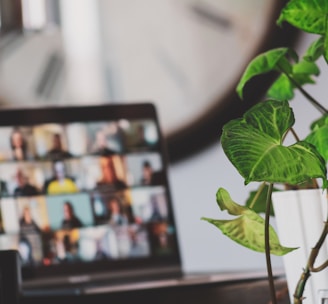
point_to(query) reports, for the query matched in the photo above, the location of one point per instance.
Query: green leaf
(261, 64)
(248, 228)
(303, 72)
(325, 53)
(253, 144)
(315, 50)
(319, 136)
(323, 120)
(306, 68)
(307, 15)
(281, 89)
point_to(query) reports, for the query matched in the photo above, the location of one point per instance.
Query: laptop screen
(84, 190)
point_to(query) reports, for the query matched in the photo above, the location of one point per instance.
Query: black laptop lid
(84, 192)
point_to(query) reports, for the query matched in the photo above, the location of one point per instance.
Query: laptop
(85, 195)
(85, 200)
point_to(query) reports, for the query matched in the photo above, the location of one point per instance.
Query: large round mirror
(185, 56)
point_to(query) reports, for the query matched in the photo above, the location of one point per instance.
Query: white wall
(195, 182)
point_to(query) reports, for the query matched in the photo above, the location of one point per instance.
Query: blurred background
(185, 56)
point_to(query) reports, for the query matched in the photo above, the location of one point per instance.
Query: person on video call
(18, 145)
(116, 215)
(147, 172)
(24, 188)
(101, 146)
(141, 137)
(3, 188)
(27, 223)
(108, 175)
(70, 220)
(61, 183)
(57, 151)
(149, 176)
(25, 251)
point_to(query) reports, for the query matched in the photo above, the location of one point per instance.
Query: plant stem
(314, 102)
(294, 134)
(315, 251)
(298, 295)
(258, 193)
(267, 245)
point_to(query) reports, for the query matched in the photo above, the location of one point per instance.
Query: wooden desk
(224, 288)
(255, 291)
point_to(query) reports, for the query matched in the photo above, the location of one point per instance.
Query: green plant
(255, 143)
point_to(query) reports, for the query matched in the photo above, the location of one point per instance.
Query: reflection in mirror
(56, 57)
(176, 54)
(32, 54)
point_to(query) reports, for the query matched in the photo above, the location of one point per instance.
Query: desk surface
(199, 289)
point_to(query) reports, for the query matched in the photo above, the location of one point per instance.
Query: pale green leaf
(248, 228)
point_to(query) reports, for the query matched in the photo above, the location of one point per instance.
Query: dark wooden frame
(207, 129)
